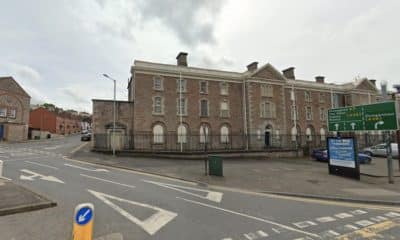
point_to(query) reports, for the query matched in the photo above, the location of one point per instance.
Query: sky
(58, 50)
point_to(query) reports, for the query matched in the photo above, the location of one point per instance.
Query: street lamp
(114, 114)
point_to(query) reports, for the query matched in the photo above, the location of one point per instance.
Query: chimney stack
(252, 66)
(289, 73)
(320, 79)
(181, 59)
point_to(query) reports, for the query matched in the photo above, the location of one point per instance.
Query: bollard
(1, 168)
(83, 222)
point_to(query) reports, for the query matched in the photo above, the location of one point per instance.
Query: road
(133, 205)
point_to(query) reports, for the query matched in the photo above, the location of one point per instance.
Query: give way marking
(151, 225)
(33, 176)
(211, 195)
(86, 169)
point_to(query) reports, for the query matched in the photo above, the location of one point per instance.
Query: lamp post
(114, 114)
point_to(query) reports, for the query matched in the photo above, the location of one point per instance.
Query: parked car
(322, 155)
(380, 150)
(86, 137)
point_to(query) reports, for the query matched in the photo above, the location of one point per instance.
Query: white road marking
(343, 215)
(109, 181)
(276, 230)
(304, 224)
(250, 217)
(151, 225)
(41, 164)
(35, 175)
(378, 219)
(358, 212)
(211, 195)
(351, 227)
(262, 233)
(392, 214)
(52, 148)
(325, 219)
(364, 223)
(329, 233)
(86, 169)
(250, 236)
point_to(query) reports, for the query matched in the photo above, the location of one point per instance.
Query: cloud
(75, 94)
(191, 21)
(27, 77)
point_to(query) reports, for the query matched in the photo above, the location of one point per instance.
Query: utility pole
(114, 114)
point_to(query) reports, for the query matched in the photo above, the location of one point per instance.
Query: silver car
(380, 150)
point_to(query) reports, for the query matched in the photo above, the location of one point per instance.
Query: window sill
(204, 93)
(204, 116)
(158, 114)
(158, 90)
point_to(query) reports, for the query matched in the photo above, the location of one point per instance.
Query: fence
(172, 142)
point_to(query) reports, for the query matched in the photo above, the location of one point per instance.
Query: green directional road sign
(379, 116)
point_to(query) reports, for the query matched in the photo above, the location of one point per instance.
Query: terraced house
(179, 107)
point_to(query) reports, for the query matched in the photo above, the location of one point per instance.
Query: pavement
(17, 199)
(298, 177)
(134, 205)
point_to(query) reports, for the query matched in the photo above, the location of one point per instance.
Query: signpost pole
(398, 146)
(389, 158)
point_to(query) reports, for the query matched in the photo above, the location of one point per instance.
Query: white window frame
(158, 138)
(180, 88)
(200, 108)
(206, 85)
(307, 96)
(12, 113)
(267, 112)
(309, 117)
(224, 113)
(224, 135)
(267, 90)
(3, 112)
(322, 114)
(178, 106)
(158, 78)
(224, 88)
(321, 97)
(161, 105)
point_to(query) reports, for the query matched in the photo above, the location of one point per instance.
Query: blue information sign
(342, 152)
(84, 215)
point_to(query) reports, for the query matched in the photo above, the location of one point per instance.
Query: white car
(380, 150)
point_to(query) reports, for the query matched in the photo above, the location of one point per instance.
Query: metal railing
(171, 142)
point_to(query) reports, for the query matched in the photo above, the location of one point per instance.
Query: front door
(267, 139)
(1, 132)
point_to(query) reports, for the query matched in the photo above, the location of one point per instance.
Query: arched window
(309, 134)
(158, 134)
(322, 133)
(182, 134)
(294, 133)
(204, 134)
(224, 134)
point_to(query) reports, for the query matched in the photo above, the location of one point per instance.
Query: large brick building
(182, 107)
(63, 123)
(14, 110)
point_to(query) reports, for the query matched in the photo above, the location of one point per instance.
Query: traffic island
(18, 199)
